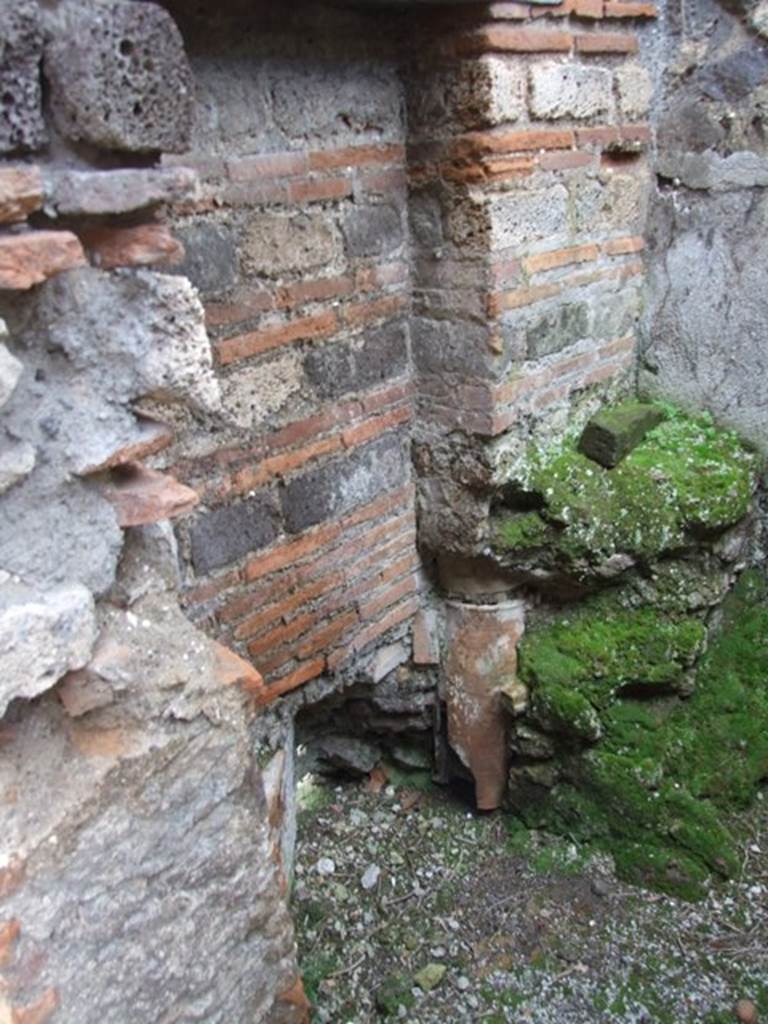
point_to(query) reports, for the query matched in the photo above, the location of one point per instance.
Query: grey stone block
(524, 216)
(570, 90)
(78, 193)
(119, 76)
(337, 369)
(614, 433)
(704, 346)
(557, 330)
(734, 77)
(275, 244)
(10, 371)
(42, 636)
(136, 333)
(373, 231)
(53, 533)
(227, 534)
(21, 50)
(166, 835)
(336, 100)
(461, 348)
(343, 484)
(709, 170)
(211, 257)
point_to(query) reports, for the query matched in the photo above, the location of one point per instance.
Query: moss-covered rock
(601, 648)
(686, 480)
(614, 432)
(657, 789)
(520, 531)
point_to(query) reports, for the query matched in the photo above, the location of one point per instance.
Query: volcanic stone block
(557, 330)
(157, 817)
(137, 334)
(442, 347)
(635, 90)
(275, 244)
(55, 533)
(569, 90)
(337, 369)
(119, 77)
(210, 262)
(614, 433)
(373, 231)
(343, 484)
(92, 193)
(226, 534)
(524, 216)
(21, 50)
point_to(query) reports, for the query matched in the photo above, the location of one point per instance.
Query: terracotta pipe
(480, 660)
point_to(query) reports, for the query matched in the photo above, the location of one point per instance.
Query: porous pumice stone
(119, 77)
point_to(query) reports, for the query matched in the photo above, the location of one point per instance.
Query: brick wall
(528, 178)
(302, 550)
(439, 211)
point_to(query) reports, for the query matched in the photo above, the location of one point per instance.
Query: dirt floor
(411, 908)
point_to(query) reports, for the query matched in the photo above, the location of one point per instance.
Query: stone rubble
(43, 635)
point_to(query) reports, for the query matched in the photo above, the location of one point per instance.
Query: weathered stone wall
(141, 850)
(703, 341)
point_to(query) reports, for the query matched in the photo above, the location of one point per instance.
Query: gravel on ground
(410, 907)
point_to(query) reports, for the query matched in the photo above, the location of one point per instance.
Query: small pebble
(746, 1011)
(601, 888)
(370, 876)
(462, 983)
(429, 977)
(325, 866)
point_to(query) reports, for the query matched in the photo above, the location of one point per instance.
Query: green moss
(687, 477)
(566, 710)
(520, 531)
(315, 968)
(658, 789)
(720, 739)
(393, 993)
(602, 648)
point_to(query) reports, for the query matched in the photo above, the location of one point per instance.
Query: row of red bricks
(515, 298)
(320, 598)
(511, 274)
(352, 316)
(337, 427)
(259, 474)
(499, 155)
(510, 10)
(489, 410)
(297, 177)
(334, 608)
(336, 318)
(501, 38)
(267, 299)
